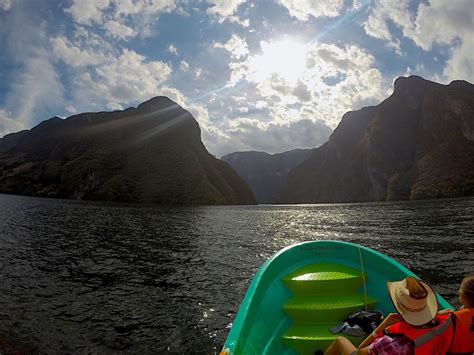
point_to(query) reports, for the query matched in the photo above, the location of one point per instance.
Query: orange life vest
(463, 342)
(430, 341)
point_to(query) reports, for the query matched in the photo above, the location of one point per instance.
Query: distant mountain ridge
(152, 153)
(418, 143)
(265, 173)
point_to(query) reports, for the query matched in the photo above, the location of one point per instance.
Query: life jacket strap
(426, 337)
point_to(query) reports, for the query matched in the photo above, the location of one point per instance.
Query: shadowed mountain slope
(418, 143)
(152, 154)
(265, 173)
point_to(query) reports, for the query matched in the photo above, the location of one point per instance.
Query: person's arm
(390, 319)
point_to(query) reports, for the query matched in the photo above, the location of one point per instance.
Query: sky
(265, 75)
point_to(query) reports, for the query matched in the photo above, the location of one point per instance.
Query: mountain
(151, 154)
(265, 173)
(417, 144)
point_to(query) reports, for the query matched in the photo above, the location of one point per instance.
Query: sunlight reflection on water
(101, 278)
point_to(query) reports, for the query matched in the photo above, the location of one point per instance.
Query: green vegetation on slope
(152, 154)
(418, 143)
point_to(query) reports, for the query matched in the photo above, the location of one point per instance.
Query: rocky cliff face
(265, 173)
(418, 143)
(152, 153)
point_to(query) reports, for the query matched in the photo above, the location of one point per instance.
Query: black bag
(367, 320)
(359, 323)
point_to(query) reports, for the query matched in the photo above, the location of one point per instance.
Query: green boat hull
(303, 290)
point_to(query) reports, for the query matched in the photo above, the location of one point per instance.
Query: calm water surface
(98, 278)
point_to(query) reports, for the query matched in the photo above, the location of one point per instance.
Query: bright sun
(285, 58)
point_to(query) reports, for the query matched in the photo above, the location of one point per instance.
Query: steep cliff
(152, 153)
(418, 143)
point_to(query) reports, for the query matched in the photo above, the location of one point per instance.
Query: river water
(82, 277)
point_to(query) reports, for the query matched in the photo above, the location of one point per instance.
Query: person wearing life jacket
(415, 329)
(416, 303)
(463, 341)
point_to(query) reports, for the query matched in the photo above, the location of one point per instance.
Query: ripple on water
(100, 278)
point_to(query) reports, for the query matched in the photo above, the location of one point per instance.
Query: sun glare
(285, 58)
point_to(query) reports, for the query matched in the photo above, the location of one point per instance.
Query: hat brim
(415, 318)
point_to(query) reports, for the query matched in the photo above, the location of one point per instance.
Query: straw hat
(414, 300)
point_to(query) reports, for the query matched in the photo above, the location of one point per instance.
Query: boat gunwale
(232, 341)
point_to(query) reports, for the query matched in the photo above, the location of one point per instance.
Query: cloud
(8, 124)
(224, 8)
(274, 98)
(440, 22)
(102, 71)
(301, 91)
(36, 87)
(255, 111)
(128, 78)
(149, 7)
(460, 65)
(75, 56)
(142, 14)
(172, 49)
(250, 134)
(435, 23)
(303, 9)
(183, 65)
(336, 79)
(118, 30)
(111, 15)
(5, 5)
(448, 24)
(236, 45)
(271, 106)
(103, 75)
(88, 11)
(396, 11)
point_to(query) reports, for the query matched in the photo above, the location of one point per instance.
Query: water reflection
(92, 277)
